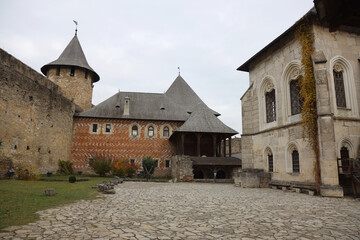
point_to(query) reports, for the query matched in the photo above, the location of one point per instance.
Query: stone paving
(197, 211)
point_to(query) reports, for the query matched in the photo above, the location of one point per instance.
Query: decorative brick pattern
(120, 144)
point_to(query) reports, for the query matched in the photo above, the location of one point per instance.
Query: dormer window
(72, 71)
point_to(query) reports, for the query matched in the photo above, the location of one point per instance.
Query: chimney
(127, 106)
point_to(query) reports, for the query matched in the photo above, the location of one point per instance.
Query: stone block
(50, 192)
(311, 193)
(284, 188)
(331, 191)
(298, 190)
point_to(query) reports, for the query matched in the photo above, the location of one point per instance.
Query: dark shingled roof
(73, 55)
(219, 161)
(147, 106)
(182, 94)
(179, 103)
(202, 119)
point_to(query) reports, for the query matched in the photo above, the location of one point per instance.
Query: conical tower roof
(73, 55)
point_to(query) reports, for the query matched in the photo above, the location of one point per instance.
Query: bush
(65, 167)
(101, 165)
(123, 168)
(149, 166)
(22, 173)
(49, 174)
(72, 179)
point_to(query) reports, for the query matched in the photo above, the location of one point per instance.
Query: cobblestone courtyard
(197, 211)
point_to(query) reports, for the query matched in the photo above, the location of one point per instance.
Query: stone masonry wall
(35, 121)
(77, 86)
(119, 144)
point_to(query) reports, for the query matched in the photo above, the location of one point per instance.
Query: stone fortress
(46, 119)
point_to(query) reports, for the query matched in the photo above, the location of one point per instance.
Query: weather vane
(179, 70)
(76, 23)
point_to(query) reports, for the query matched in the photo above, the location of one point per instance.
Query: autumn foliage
(123, 168)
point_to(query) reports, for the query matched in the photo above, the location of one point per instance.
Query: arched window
(151, 131)
(270, 105)
(343, 88)
(295, 100)
(134, 131)
(166, 132)
(339, 88)
(270, 162)
(295, 161)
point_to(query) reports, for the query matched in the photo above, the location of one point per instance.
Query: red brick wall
(119, 144)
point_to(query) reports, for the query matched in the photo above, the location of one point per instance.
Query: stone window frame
(267, 85)
(162, 130)
(168, 160)
(289, 161)
(92, 127)
(111, 128)
(147, 130)
(292, 71)
(268, 151)
(138, 129)
(158, 163)
(339, 63)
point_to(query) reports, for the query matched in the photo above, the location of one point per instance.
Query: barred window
(271, 162)
(295, 100)
(295, 161)
(339, 89)
(270, 106)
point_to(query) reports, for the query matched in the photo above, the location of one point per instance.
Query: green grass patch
(19, 200)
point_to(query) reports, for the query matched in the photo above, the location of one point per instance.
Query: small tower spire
(76, 23)
(179, 70)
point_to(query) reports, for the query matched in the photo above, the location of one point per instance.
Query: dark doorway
(198, 174)
(206, 145)
(220, 174)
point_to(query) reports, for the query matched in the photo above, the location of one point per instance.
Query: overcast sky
(138, 45)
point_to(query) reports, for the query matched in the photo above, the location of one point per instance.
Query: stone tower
(72, 73)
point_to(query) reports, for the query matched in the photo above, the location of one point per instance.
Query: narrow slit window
(72, 71)
(86, 74)
(58, 71)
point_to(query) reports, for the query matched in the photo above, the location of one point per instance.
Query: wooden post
(182, 143)
(214, 144)
(229, 146)
(224, 146)
(198, 140)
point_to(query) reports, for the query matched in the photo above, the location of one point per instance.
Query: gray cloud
(138, 45)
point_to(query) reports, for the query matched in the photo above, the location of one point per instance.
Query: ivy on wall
(308, 94)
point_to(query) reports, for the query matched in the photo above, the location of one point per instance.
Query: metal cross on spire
(179, 70)
(76, 23)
